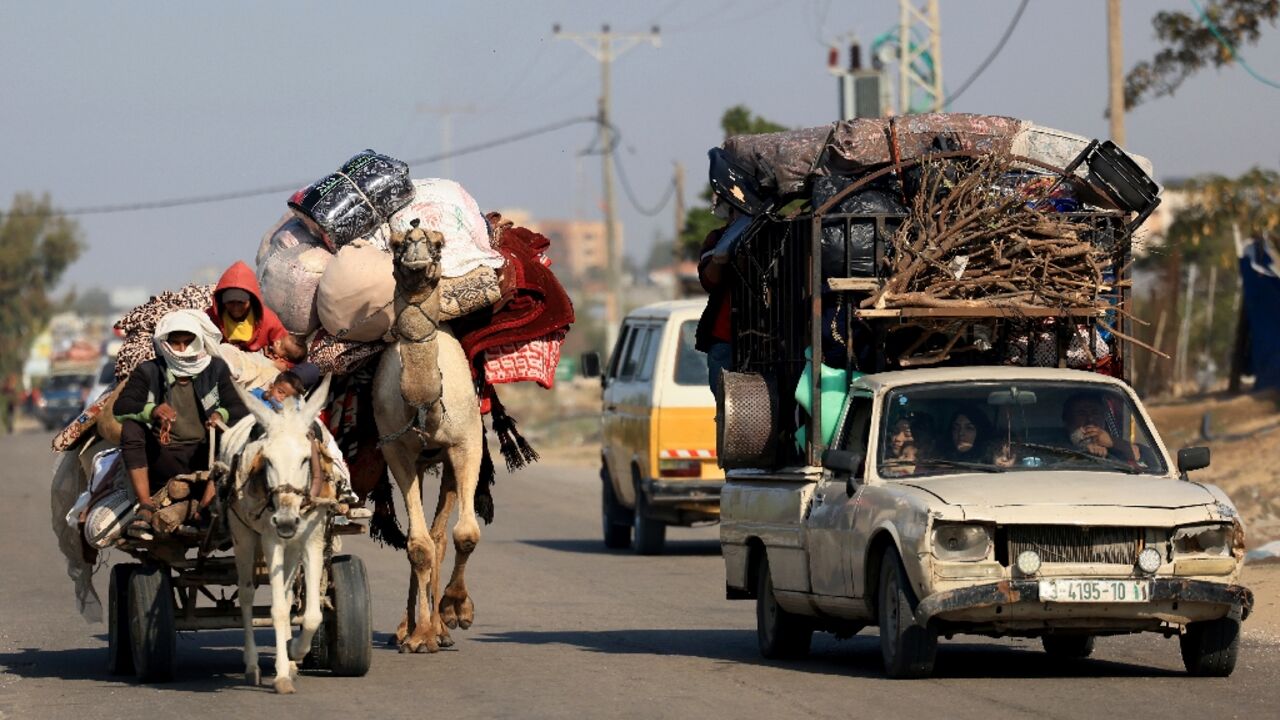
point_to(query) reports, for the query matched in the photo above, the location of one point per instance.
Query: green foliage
(739, 120)
(37, 245)
(1203, 230)
(698, 221)
(1190, 45)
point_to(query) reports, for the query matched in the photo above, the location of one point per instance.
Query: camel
(428, 414)
(285, 513)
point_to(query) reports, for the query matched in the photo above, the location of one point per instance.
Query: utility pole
(919, 20)
(446, 113)
(606, 46)
(676, 254)
(1115, 68)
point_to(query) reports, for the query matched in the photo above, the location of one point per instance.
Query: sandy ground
(1264, 623)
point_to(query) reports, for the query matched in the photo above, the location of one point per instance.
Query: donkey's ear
(265, 416)
(319, 398)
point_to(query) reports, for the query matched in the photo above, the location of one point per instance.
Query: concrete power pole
(676, 254)
(1115, 69)
(446, 113)
(919, 20)
(606, 46)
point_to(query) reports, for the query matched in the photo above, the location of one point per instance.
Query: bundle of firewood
(975, 239)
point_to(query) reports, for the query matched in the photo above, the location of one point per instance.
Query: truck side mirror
(1193, 458)
(846, 462)
(590, 364)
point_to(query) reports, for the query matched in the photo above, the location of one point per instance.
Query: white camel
(427, 412)
(280, 501)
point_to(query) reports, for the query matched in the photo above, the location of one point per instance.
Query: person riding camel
(239, 312)
(167, 405)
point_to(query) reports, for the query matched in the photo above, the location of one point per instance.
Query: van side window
(615, 360)
(635, 351)
(650, 357)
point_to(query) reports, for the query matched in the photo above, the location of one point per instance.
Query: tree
(37, 244)
(698, 221)
(1203, 234)
(1191, 44)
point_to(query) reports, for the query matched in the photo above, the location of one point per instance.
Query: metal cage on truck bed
(778, 316)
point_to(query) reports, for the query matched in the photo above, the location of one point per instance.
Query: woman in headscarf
(167, 405)
(970, 438)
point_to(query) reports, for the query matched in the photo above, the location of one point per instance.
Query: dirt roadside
(1264, 580)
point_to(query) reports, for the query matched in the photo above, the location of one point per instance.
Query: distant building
(577, 246)
(1155, 228)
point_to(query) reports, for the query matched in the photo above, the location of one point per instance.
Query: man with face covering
(238, 311)
(166, 406)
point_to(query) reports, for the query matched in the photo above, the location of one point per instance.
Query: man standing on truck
(714, 335)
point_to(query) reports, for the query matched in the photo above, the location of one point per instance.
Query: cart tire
(349, 631)
(119, 647)
(153, 635)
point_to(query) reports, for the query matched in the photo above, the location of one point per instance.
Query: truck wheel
(1209, 648)
(152, 633)
(614, 518)
(1068, 647)
(908, 648)
(119, 649)
(780, 634)
(651, 534)
(350, 634)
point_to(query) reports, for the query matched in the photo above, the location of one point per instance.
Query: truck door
(834, 512)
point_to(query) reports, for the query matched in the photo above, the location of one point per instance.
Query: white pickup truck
(997, 501)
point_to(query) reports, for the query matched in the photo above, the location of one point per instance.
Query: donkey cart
(179, 583)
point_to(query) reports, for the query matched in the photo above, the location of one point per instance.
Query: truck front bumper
(1027, 592)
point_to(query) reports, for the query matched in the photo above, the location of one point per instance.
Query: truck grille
(1071, 544)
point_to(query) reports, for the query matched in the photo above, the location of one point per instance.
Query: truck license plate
(1095, 591)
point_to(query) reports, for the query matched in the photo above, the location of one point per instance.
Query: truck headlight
(1203, 540)
(958, 541)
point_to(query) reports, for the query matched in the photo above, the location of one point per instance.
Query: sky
(130, 102)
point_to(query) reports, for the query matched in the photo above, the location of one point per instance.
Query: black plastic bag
(854, 254)
(354, 201)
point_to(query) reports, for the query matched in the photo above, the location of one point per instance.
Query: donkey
(281, 499)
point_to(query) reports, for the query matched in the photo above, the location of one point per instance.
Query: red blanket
(538, 305)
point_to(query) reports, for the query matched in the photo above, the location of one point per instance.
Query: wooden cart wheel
(119, 647)
(152, 633)
(349, 629)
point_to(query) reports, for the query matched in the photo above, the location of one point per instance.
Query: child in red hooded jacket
(239, 313)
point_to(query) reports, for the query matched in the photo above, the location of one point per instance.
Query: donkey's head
(417, 256)
(284, 457)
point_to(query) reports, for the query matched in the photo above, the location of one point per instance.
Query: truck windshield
(951, 428)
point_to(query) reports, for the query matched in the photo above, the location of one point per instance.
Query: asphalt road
(565, 628)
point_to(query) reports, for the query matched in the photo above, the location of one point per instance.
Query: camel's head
(284, 457)
(417, 254)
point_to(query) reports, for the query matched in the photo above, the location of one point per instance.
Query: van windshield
(952, 428)
(691, 364)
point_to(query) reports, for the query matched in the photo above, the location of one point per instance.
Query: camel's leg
(246, 548)
(444, 508)
(276, 570)
(422, 555)
(312, 568)
(464, 464)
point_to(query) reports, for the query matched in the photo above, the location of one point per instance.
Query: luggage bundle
(326, 265)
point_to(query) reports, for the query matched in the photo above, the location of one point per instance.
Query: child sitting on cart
(290, 384)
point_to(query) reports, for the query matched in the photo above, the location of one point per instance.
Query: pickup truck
(998, 501)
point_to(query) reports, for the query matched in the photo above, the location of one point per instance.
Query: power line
(631, 195)
(1217, 33)
(1008, 32)
(290, 187)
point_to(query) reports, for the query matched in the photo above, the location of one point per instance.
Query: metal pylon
(919, 51)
